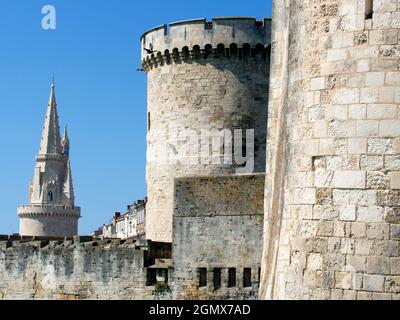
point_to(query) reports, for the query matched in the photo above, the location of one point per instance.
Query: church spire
(51, 140)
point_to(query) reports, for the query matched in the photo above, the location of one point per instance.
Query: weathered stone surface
(192, 89)
(72, 270)
(351, 100)
(218, 223)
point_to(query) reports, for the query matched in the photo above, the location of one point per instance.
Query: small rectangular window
(247, 277)
(202, 272)
(369, 9)
(217, 278)
(232, 277)
(148, 121)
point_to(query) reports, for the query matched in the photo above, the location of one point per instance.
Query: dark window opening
(259, 275)
(151, 277)
(50, 196)
(202, 277)
(232, 277)
(148, 121)
(246, 277)
(163, 275)
(369, 9)
(217, 278)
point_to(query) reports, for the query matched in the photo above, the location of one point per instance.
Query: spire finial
(52, 80)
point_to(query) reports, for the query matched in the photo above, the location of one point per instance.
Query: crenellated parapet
(200, 39)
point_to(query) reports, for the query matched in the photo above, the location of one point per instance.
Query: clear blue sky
(94, 54)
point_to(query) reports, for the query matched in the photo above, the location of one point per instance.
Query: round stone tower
(207, 96)
(333, 186)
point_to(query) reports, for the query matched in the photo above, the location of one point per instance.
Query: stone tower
(332, 226)
(51, 211)
(207, 85)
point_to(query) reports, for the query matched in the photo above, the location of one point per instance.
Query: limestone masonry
(202, 76)
(51, 210)
(282, 135)
(332, 226)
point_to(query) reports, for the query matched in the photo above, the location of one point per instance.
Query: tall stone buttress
(51, 210)
(332, 228)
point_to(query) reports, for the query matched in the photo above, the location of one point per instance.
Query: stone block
(357, 145)
(370, 214)
(378, 265)
(393, 78)
(392, 163)
(382, 111)
(348, 213)
(369, 95)
(389, 128)
(371, 163)
(395, 180)
(355, 263)
(349, 179)
(314, 261)
(374, 79)
(357, 111)
(367, 128)
(343, 280)
(358, 229)
(373, 282)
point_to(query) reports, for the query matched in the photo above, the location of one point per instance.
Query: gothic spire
(51, 140)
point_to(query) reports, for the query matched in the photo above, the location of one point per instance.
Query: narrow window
(151, 277)
(232, 277)
(148, 121)
(217, 278)
(369, 9)
(50, 196)
(259, 275)
(247, 277)
(202, 277)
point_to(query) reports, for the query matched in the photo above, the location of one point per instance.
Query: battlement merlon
(200, 32)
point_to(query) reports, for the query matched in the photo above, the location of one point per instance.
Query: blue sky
(94, 54)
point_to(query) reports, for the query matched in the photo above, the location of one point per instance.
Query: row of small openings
(217, 277)
(369, 9)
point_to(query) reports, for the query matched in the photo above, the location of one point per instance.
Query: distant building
(128, 225)
(51, 210)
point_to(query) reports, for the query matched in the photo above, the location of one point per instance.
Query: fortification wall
(332, 192)
(201, 80)
(68, 269)
(218, 223)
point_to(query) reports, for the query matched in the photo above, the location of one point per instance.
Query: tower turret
(51, 210)
(207, 94)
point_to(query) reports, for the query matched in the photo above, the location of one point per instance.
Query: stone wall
(200, 80)
(218, 223)
(333, 193)
(109, 269)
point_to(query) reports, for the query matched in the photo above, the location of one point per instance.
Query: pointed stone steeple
(51, 140)
(51, 211)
